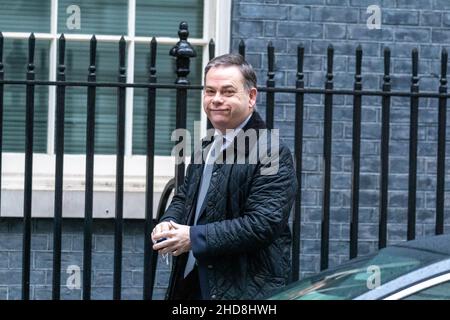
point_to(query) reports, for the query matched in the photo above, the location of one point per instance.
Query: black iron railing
(183, 52)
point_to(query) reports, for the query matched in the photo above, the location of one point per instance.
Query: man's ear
(252, 96)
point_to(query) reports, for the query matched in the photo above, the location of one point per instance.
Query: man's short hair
(235, 59)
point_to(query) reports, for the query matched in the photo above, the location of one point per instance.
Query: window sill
(74, 185)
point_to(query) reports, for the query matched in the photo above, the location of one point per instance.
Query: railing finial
(183, 51)
(242, 48)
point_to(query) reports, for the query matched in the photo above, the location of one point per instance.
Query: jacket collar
(255, 122)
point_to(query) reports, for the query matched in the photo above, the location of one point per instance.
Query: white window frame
(216, 25)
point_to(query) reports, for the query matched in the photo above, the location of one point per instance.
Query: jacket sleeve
(265, 216)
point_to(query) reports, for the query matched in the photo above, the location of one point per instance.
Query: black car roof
(439, 244)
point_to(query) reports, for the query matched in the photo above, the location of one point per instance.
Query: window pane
(15, 60)
(93, 16)
(25, 16)
(161, 18)
(165, 99)
(107, 64)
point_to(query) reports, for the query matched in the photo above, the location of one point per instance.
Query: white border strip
(52, 69)
(130, 79)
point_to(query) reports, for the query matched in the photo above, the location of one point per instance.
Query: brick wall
(72, 255)
(406, 24)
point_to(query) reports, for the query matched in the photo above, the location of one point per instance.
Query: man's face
(225, 100)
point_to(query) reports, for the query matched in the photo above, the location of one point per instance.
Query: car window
(438, 292)
(359, 276)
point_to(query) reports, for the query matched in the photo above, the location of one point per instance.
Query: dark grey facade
(405, 24)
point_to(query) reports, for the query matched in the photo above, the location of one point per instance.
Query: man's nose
(217, 98)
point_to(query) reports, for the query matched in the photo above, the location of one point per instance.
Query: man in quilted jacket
(227, 225)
